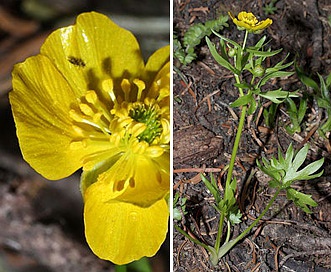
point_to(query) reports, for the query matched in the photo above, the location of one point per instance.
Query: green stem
(228, 232)
(240, 127)
(226, 247)
(272, 200)
(236, 144)
(230, 171)
(245, 40)
(219, 232)
(190, 238)
(241, 93)
(234, 153)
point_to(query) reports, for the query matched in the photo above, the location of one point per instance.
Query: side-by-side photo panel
(251, 135)
(85, 136)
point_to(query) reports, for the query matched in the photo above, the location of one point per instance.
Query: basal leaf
(306, 173)
(300, 199)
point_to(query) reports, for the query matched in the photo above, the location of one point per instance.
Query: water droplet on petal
(133, 216)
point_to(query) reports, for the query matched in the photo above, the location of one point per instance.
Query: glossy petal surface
(88, 101)
(127, 231)
(40, 103)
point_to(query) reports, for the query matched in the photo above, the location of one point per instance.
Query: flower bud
(232, 52)
(258, 71)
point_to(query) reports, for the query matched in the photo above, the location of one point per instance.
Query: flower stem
(236, 145)
(245, 40)
(234, 153)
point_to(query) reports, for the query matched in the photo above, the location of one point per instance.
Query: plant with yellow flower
(88, 100)
(240, 58)
(248, 21)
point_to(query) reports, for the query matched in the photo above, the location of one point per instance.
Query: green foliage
(285, 171)
(226, 204)
(269, 115)
(185, 51)
(179, 207)
(322, 94)
(278, 96)
(296, 114)
(270, 8)
(251, 59)
(227, 207)
(252, 75)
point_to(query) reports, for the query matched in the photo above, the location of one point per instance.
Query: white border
(171, 227)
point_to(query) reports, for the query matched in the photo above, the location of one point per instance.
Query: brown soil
(204, 130)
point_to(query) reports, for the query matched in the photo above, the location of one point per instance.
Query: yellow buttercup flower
(88, 100)
(247, 21)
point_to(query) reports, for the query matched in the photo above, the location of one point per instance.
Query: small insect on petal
(76, 61)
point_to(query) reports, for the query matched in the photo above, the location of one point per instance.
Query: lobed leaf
(278, 96)
(301, 200)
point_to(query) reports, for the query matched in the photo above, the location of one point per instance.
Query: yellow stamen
(141, 86)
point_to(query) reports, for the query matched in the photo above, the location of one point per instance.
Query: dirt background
(41, 221)
(204, 130)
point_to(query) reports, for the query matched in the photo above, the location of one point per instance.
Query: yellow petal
(41, 100)
(263, 24)
(151, 180)
(137, 179)
(93, 49)
(248, 21)
(160, 87)
(156, 61)
(123, 232)
(248, 17)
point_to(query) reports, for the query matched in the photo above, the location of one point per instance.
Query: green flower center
(149, 116)
(125, 119)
